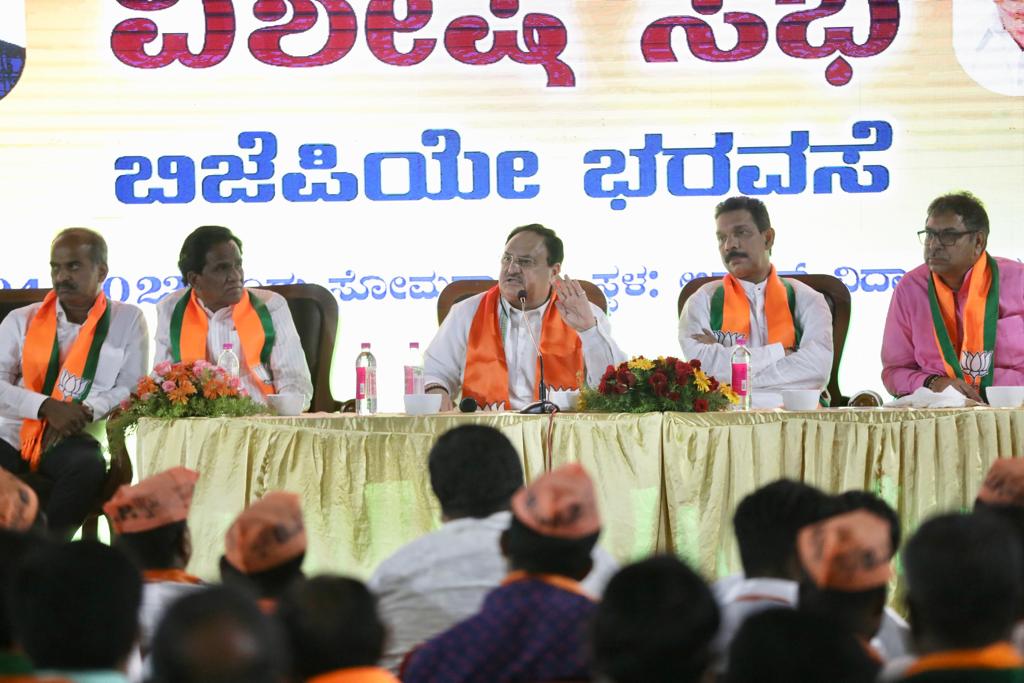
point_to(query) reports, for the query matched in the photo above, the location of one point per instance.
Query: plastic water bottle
(741, 373)
(228, 360)
(414, 370)
(366, 381)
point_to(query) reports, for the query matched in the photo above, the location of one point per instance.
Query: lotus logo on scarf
(976, 365)
(727, 338)
(12, 44)
(71, 386)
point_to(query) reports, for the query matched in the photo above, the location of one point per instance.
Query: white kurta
(122, 363)
(288, 367)
(808, 367)
(445, 358)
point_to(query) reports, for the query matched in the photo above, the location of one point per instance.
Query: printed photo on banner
(12, 44)
(988, 37)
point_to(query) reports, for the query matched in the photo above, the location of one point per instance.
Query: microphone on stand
(542, 405)
(468, 405)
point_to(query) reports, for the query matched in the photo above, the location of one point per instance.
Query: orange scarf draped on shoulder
(486, 374)
(735, 310)
(360, 674)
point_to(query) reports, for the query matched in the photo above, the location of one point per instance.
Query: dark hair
(856, 499)
(963, 580)
(270, 583)
(964, 204)
(655, 624)
(535, 553)
(786, 645)
(76, 606)
(859, 612)
(758, 211)
(13, 547)
(331, 623)
(552, 242)
(192, 258)
(97, 245)
(1012, 515)
(217, 635)
(766, 524)
(474, 470)
(160, 548)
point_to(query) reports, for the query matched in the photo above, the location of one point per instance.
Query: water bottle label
(739, 378)
(413, 380)
(366, 384)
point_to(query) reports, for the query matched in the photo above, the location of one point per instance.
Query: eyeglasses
(946, 238)
(524, 262)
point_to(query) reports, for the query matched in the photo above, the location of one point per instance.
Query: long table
(666, 482)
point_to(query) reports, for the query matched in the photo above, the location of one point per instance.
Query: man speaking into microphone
(487, 347)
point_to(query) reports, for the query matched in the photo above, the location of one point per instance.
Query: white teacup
(285, 404)
(800, 399)
(1005, 397)
(422, 404)
(568, 399)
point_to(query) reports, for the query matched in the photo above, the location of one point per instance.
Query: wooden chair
(463, 289)
(837, 296)
(120, 470)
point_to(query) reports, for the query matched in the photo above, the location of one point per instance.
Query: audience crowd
(514, 588)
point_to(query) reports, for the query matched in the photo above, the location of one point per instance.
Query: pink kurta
(909, 350)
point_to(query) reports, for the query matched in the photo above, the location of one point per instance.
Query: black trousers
(77, 470)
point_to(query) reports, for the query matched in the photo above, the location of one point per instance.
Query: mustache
(65, 287)
(734, 254)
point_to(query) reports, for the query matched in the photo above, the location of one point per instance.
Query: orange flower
(215, 388)
(147, 385)
(180, 372)
(181, 394)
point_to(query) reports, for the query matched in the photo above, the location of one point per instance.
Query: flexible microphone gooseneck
(542, 405)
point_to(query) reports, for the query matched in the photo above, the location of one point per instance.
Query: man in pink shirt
(957, 320)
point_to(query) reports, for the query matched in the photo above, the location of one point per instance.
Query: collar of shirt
(761, 589)
(220, 314)
(508, 313)
(499, 521)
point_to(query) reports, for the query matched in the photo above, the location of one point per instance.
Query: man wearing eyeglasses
(957, 320)
(485, 347)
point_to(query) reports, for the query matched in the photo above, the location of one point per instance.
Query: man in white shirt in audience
(787, 324)
(65, 363)
(484, 348)
(438, 580)
(217, 309)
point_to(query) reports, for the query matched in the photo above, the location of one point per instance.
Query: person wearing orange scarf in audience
(150, 522)
(958, 319)
(216, 308)
(64, 363)
(786, 324)
(484, 349)
(265, 547)
(335, 632)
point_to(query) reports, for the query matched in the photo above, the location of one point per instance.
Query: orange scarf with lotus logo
(971, 358)
(43, 373)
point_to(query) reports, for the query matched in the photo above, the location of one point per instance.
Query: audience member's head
(149, 519)
(766, 523)
(474, 470)
(655, 624)
(331, 623)
(847, 565)
(217, 635)
(75, 606)
(14, 546)
(1002, 495)
(19, 505)
(963, 576)
(555, 524)
(783, 645)
(856, 499)
(265, 546)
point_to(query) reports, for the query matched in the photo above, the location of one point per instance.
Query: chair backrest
(463, 289)
(315, 312)
(11, 299)
(837, 296)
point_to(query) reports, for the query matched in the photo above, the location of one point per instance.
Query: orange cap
(1004, 483)
(560, 504)
(162, 499)
(851, 552)
(18, 503)
(267, 534)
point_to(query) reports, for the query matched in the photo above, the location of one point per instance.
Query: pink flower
(168, 386)
(125, 404)
(201, 365)
(243, 392)
(234, 382)
(146, 396)
(162, 368)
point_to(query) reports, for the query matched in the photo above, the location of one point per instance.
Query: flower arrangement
(197, 389)
(641, 385)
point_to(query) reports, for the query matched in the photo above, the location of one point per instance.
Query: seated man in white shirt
(439, 579)
(787, 324)
(64, 363)
(216, 310)
(484, 349)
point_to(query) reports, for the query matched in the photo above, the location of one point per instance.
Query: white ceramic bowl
(422, 404)
(800, 399)
(568, 399)
(1005, 397)
(285, 404)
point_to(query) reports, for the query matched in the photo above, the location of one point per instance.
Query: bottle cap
(228, 346)
(741, 340)
(414, 345)
(364, 345)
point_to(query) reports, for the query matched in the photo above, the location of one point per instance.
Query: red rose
(700, 405)
(695, 364)
(602, 388)
(609, 372)
(712, 384)
(683, 371)
(624, 376)
(620, 388)
(674, 395)
(671, 360)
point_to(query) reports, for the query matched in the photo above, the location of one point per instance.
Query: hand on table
(940, 383)
(446, 400)
(573, 304)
